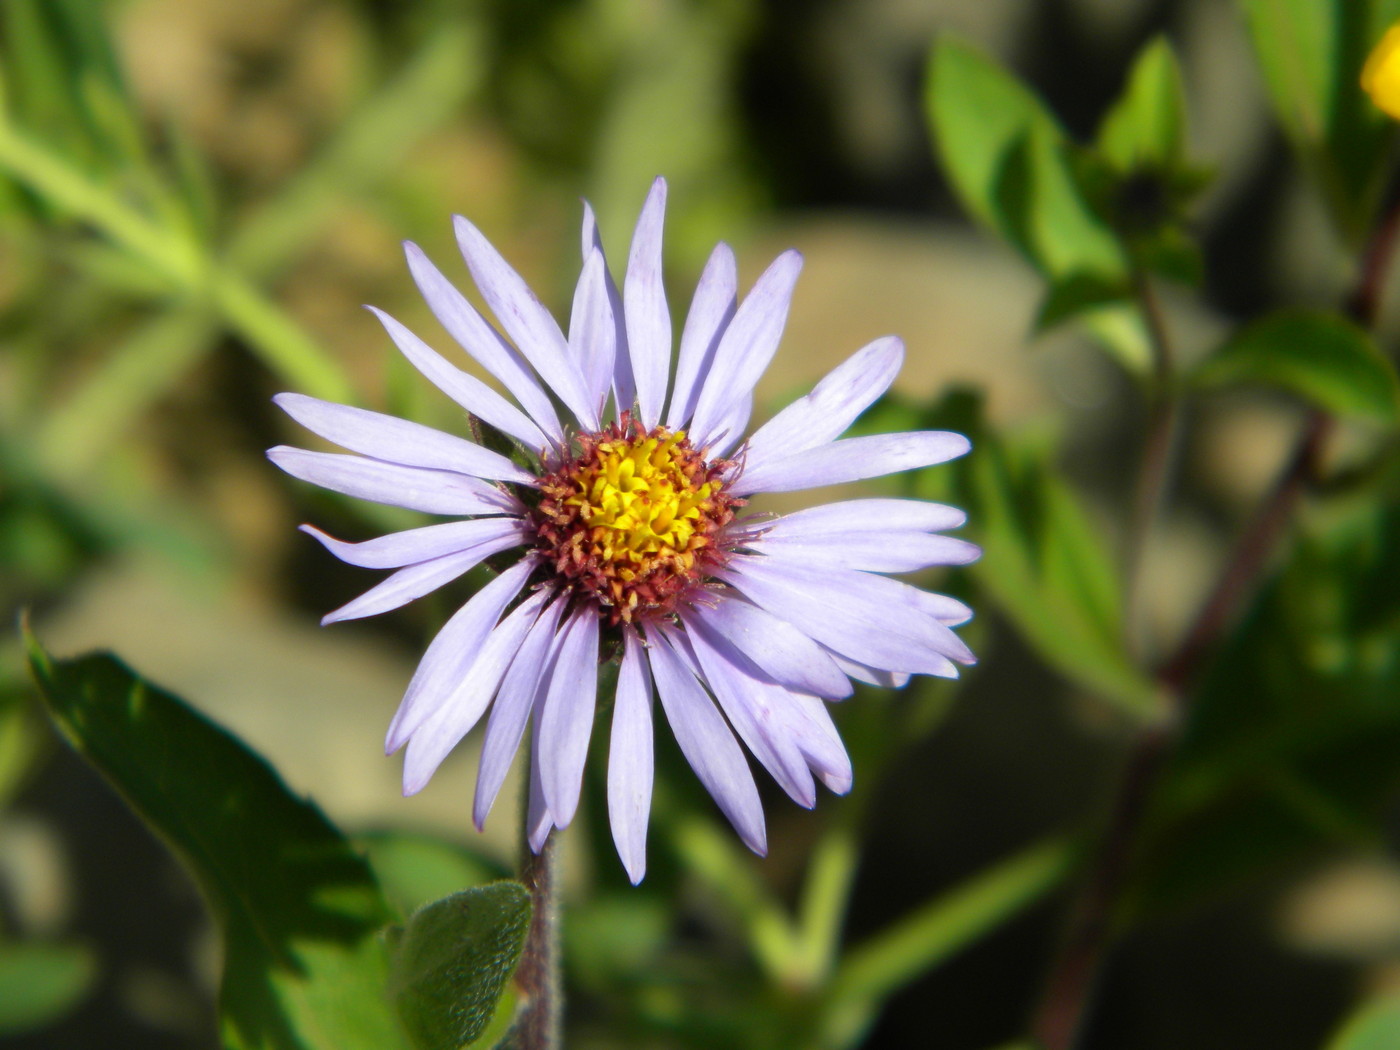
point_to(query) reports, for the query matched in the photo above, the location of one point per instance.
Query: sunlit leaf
(1146, 128)
(452, 960)
(41, 982)
(300, 913)
(1376, 1026)
(415, 869)
(1322, 357)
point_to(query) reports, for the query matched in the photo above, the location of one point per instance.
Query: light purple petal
(707, 743)
(820, 743)
(630, 759)
(890, 551)
(868, 618)
(644, 303)
(453, 717)
(593, 331)
(832, 406)
(887, 679)
(751, 707)
(852, 459)
(866, 515)
(454, 650)
(567, 719)
(539, 822)
(398, 440)
(948, 611)
(746, 347)
(417, 580)
(624, 387)
(430, 491)
(483, 342)
(465, 389)
(528, 677)
(530, 326)
(716, 296)
(775, 646)
(730, 429)
(412, 546)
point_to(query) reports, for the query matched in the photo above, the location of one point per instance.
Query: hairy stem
(540, 1026)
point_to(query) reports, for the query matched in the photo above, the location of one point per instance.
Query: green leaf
(1146, 128)
(1075, 295)
(1311, 53)
(300, 913)
(1376, 1026)
(876, 969)
(452, 961)
(1321, 356)
(40, 982)
(1044, 563)
(1009, 162)
(415, 869)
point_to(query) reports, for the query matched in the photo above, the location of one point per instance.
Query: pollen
(635, 520)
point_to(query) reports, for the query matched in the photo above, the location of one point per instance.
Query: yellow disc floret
(633, 519)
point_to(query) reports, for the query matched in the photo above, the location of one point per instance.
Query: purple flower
(633, 538)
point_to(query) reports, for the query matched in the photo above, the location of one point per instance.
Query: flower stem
(540, 1026)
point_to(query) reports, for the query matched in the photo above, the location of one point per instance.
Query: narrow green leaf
(875, 970)
(299, 910)
(452, 961)
(1009, 162)
(1311, 53)
(1376, 1026)
(40, 982)
(1146, 128)
(1321, 356)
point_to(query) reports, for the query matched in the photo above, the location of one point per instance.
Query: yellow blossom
(1380, 77)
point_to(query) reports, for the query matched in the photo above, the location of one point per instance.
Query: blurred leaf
(1311, 53)
(1044, 563)
(876, 969)
(1292, 740)
(298, 908)
(1321, 356)
(1009, 162)
(39, 983)
(1146, 128)
(1376, 1026)
(415, 869)
(452, 960)
(1071, 297)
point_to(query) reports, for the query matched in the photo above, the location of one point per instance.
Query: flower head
(1380, 77)
(633, 538)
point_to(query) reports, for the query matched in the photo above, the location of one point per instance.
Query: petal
(530, 326)
(730, 429)
(624, 387)
(465, 389)
(593, 330)
(746, 347)
(417, 580)
(775, 646)
(566, 722)
(820, 743)
(418, 545)
(483, 342)
(832, 406)
(711, 310)
(454, 716)
(948, 611)
(454, 650)
(851, 459)
(398, 440)
(750, 704)
(865, 515)
(630, 759)
(514, 702)
(851, 613)
(888, 679)
(707, 743)
(430, 491)
(644, 303)
(873, 551)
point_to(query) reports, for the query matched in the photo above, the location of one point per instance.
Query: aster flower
(633, 540)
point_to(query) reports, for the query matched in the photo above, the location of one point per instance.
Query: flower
(631, 537)
(1380, 76)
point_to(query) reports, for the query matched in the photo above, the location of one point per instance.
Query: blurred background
(196, 197)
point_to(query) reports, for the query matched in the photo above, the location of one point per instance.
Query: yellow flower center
(634, 520)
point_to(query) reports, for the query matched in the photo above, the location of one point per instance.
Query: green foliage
(1293, 736)
(1311, 53)
(1376, 1026)
(39, 982)
(1146, 128)
(452, 960)
(1320, 356)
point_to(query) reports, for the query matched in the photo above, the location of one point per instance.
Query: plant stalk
(540, 1025)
